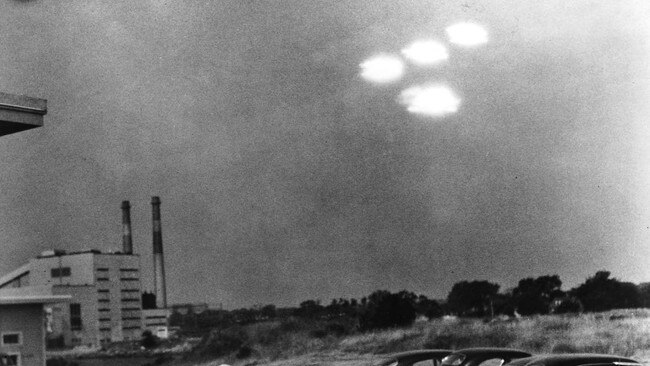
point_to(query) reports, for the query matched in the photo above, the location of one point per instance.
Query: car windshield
(453, 359)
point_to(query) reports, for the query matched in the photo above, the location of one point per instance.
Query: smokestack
(127, 240)
(158, 262)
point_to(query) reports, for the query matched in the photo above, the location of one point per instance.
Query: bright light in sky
(426, 52)
(467, 34)
(382, 69)
(430, 100)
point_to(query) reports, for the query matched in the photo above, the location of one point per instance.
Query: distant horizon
(502, 289)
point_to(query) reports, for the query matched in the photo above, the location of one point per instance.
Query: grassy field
(625, 332)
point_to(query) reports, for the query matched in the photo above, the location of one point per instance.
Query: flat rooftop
(30, 295)
(61, 253)
(20, 113)
(22, 300)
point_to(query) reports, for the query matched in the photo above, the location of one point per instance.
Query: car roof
(491, 350)
(415, 354)
(571, 359)
(522, 361)
(420, 352)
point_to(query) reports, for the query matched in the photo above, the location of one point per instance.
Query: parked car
(424, 357)
(483, 357)
(575, 359)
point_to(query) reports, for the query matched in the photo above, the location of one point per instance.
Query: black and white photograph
(321, 182)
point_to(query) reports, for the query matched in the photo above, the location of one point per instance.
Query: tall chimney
(158, 261)
(127, 240)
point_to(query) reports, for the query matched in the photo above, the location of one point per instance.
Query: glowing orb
(382, 69)
(426, 52)
(467, 34)
(430, 100)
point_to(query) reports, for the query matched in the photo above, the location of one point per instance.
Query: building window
(60, 272)
(11, 359)
(156, 324)
(12, 338)
(75, 316)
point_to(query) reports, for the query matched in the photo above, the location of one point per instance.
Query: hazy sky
(286, 176)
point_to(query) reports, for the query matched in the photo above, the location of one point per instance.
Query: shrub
(339, 328)
(385, 310)
(222, 342)
(267, 335)
(537, 343)
(318, 333)
(498, 336)
(472, 298)
(244, 352)
(59, 361)
(149, 340)
(447, 341)
(291, 324)
(567, 305)
(553, 324)
(564, 348)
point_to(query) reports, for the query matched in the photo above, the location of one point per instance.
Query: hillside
(623, 332)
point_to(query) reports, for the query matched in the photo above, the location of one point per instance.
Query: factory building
(23, 324)
(105, 290)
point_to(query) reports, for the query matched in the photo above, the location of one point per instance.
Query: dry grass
(624, 333)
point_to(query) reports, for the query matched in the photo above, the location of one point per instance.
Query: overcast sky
(285, 175)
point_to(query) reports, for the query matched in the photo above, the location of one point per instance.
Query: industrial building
(105, 289)
(23, 324)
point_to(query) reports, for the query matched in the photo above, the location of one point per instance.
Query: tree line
(384, 309)
(544, 295)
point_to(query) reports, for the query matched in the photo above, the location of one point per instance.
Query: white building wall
(26, 319)
(80, 270)
(156, 321)
(105, 285)
(86, 297)
(118, 278)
